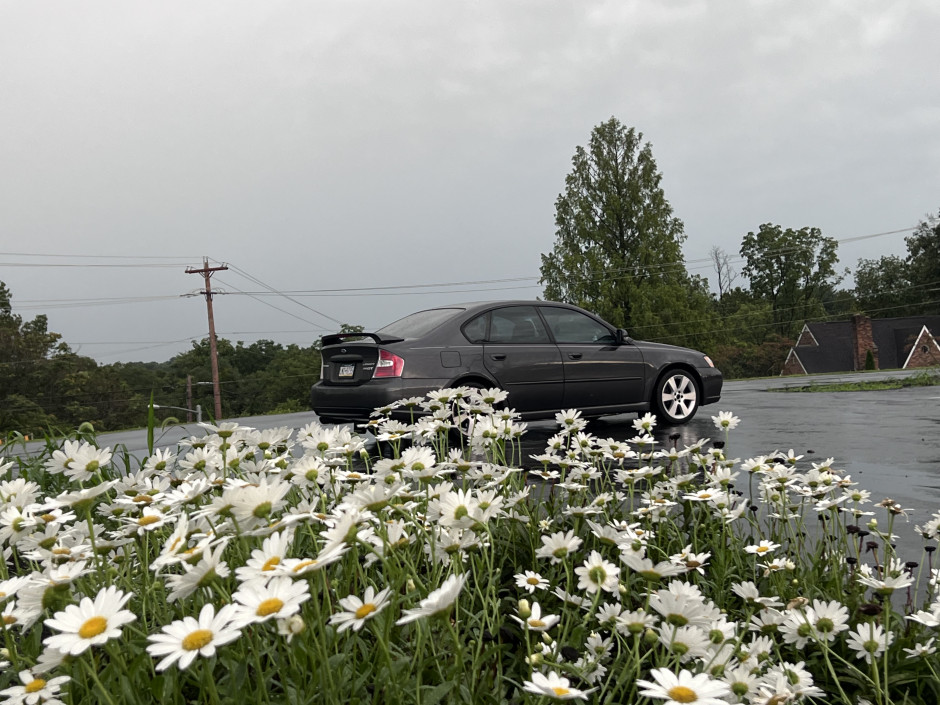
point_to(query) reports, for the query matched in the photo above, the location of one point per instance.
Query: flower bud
(524, 610)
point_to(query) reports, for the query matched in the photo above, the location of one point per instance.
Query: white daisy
(91, 622)
(261, 600)
(296, 567)
(359, 610)
(597, 574)
(684, 688)
(536, 621)
(438, 601)
(558, 546)
(725, 421)
(35, 689)
(185, 639)
(264, 561)
(761, 548)
(555, 687)
(208, 569)
(869, 640)
(530, 580)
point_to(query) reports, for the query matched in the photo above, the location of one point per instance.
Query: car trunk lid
(357, 361)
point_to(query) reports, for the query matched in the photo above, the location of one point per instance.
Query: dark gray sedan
(547, 356)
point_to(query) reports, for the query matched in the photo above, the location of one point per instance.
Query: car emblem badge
(342, 350)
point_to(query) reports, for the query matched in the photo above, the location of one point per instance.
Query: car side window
(517, 324)
(475, 330)
(574, 327)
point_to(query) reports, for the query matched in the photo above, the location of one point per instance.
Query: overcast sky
(322, 147)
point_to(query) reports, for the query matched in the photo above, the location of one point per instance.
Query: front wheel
(675, 399)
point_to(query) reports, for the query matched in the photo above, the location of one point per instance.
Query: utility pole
(207, 273)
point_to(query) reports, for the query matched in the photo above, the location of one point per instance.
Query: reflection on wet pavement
(887, 440)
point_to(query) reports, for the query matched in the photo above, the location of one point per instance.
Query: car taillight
(389, 365)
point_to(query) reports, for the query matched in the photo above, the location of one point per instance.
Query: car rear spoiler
(340, 337)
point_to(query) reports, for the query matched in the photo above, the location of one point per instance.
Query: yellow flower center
(536, 623)
(269, 606)
(142, 499)
(365, 610)
(303, 564)
(270, 563)
(48, 517)
(60, 551)
(681, 694)
(35, 685)
(532, 581)
(9, 619)
(762, 549)
(148, 520)
(560, 692)
(93, 627)
(197, 639)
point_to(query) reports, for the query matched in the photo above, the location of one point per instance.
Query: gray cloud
(352, 144)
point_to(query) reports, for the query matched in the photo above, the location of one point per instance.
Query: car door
(599, 373)
(521, 356)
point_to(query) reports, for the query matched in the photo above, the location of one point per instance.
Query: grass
(924, 379)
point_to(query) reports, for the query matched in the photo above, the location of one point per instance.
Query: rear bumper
(357, 402)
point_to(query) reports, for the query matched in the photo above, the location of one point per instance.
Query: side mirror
(623, 338)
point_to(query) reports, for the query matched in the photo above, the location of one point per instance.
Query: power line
(44, 304)
(254, 294)
(86, 266)
(82, 256)
(276, 308)
(442, 287)
(271, 288)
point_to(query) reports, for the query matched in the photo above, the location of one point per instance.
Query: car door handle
(574, 356)
(498, 356)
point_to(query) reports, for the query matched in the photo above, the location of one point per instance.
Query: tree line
(46, 387)
(617, 252)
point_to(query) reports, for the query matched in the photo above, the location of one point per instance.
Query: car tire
(676, 397)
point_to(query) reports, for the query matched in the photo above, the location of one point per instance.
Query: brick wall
(926, 352)
(863, 341)
(792, 366)
(806, 338)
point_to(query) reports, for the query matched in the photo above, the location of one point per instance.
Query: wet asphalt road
(888, 441)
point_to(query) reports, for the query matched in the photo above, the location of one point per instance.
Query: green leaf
(437, 693)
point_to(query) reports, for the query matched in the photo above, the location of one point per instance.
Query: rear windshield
(418, 324)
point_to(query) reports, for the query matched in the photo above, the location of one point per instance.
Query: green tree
(883, 287)
(791, 269)
(28, 351)
(618, 246)
(923, 260)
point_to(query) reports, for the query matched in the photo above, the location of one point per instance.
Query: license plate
(346, 370)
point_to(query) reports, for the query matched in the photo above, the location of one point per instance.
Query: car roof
(474, 306)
